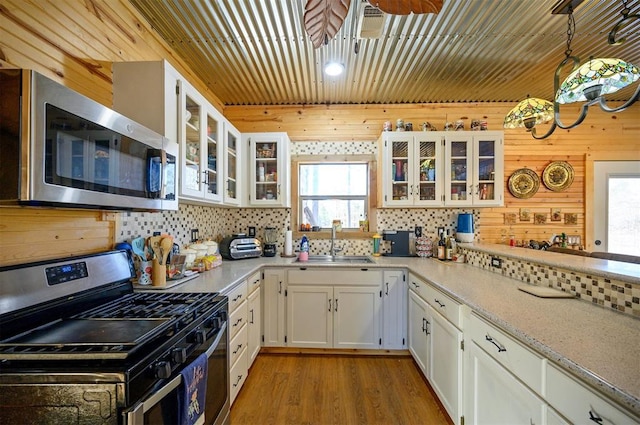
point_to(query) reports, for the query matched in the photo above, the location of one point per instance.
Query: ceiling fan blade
(405, 7)
(323, 19)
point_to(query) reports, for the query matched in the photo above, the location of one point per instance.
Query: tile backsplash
(621, 296)
(214, 223)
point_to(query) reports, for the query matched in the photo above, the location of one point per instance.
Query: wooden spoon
(154, 243)
(166, 245)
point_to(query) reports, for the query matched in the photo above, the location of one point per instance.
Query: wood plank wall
(76, 42)
(616, 134)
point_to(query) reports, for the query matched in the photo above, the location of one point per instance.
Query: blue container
(465, 223)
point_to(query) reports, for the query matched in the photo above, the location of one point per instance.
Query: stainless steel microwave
(60, 148)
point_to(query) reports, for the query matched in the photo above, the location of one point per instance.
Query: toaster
(237, 247)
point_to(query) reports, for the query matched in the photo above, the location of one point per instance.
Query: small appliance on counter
(270, 240)
(239, 246)
(464, 231)
(401, 243)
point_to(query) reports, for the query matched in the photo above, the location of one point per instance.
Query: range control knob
(162, 369)
(199, 336)
(179, 355)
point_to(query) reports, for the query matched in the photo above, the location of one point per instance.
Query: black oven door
(161, 407)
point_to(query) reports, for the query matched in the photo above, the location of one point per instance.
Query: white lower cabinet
(254, 321)
(238, 337)
(394, 309)
(579, 404)
(273, 307)
(494, 396)
(436, 345)
(321, 316)
(333, 308)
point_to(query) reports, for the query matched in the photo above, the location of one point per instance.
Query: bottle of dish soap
(304, 249)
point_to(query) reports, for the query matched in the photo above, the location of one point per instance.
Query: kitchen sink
(339, 259)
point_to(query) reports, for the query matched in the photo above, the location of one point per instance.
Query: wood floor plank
(309, 389)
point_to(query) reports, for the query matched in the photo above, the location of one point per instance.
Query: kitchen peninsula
(596, 345)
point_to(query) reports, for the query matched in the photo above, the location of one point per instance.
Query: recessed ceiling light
(333, 68)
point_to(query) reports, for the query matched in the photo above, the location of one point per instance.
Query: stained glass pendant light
(529, 113)
(587, 83)
(595, 78)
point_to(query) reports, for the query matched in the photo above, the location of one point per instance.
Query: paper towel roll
(288, 242)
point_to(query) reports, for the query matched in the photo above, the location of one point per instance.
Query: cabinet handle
(329, 304)
(387, 293)
(336, 306)
(496, 343)
(280, 287)
(477, 189)
(424, 328)
(439, 303)
(427, 329)
(237, 349)
(594, 417)
(415, 284)
(237, 322)
(238, 380)
(255, 282)
(206, 177)
(251, 311)
(237, 297)
(278, 189)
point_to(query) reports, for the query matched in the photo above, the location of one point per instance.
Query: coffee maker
(270, 241)
(401, 243)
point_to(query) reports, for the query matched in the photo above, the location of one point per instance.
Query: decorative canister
(448, 126)
(399, 125)
(190, 256)
(387, 126)
(408, 127)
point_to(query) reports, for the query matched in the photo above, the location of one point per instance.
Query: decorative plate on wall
(523, 183)
(558, 176)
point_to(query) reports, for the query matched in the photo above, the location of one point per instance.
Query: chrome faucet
(333, 251)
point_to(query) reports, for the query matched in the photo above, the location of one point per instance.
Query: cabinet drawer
(418, 286)
(238, 374)
(237, 296)
(237, 319)
(444, 305)
(253, 282)
(520, 361)
(238, 343)
(334, 277)
(578, 403)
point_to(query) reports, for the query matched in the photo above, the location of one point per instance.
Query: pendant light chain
(571, 30)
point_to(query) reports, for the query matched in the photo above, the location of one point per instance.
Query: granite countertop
(627, 272)
(599, 345)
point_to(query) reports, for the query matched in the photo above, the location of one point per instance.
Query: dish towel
(193, 393)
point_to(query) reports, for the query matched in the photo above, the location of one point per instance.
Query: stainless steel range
(77, 345)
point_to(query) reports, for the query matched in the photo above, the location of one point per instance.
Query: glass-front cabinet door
(231, 164)
(458, 187)
(488, 169)
(411, 167)
(191, 143)
(268, 169)
(213, 147)
(474, 169)
(426, 188)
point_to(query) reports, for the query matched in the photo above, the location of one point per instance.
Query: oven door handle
(216, 342)
(135, 416)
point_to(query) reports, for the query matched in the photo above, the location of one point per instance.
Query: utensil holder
(159, 274)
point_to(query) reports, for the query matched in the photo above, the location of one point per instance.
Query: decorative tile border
(621, 296)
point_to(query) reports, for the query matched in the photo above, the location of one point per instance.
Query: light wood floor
(335, 389)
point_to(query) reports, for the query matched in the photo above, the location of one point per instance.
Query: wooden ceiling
(256, 52)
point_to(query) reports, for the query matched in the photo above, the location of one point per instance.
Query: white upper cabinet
(459, 169)
(411, 164)
(474, 168)
(157, 96)
(232, 164)
(269, 169)
(200, 130)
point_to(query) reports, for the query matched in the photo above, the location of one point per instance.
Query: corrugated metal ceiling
(256, 52)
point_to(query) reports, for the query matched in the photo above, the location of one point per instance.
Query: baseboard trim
(334, 351)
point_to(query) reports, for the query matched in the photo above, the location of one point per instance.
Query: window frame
(372, 167)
